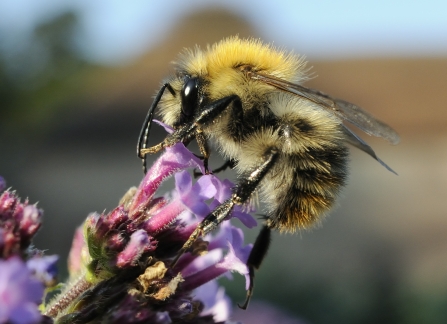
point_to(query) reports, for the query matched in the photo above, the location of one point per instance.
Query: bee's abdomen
(306, 188)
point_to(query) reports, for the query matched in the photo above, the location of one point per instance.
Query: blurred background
(77, 78)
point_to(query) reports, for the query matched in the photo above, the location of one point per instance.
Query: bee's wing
(343, 109)
(356, 141)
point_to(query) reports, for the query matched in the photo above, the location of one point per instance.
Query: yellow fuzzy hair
(234, 51)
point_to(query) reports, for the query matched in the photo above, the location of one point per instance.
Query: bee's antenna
(145, 129)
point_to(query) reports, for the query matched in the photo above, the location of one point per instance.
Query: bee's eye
(190, 92)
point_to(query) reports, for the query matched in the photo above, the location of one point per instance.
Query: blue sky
(116, 30)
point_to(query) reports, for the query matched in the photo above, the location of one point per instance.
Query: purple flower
(212, 265)
(20, 293)
(124, 256)
(19, 223)
(215, 302)
(193, 196)
(44, 268)
(21, 282)
(139, 243)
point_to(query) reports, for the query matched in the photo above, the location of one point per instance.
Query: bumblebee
(286, 142)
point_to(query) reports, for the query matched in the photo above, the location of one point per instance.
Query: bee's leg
(236, 115)
(191, 129)
(228, 164)
(204, 148)
(181, 135)
(257, 254)
(241, 194)
(145, 129)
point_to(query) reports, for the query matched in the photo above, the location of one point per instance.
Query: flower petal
(19, 292)
(139, 243)
(174, 159)
(44, 268)
(214, 300)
